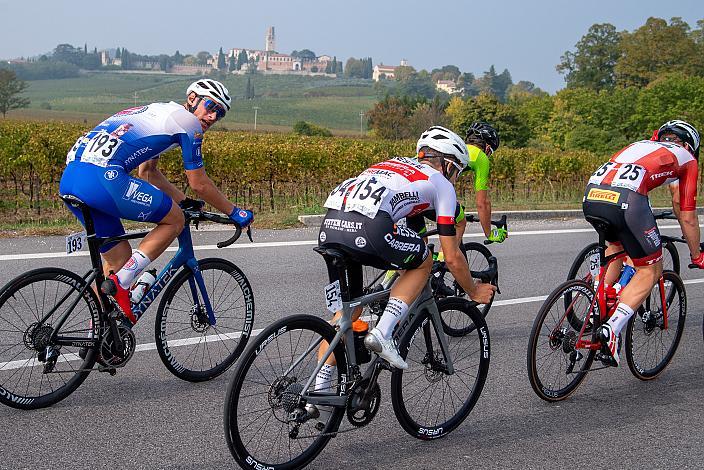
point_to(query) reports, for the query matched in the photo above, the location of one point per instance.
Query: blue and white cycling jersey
(136, 135)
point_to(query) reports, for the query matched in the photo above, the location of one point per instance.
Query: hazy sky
(527, 37)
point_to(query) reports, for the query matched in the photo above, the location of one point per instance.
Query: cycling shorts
(112, 194)
(632, 222)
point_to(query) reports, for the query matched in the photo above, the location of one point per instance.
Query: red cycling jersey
(645, 165)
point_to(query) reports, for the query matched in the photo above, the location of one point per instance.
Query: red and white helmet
(213, 90)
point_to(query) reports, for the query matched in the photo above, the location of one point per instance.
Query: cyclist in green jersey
(482, 140)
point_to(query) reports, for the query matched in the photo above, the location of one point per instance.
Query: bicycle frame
(600, 301)
(425, 301)
(184, 256)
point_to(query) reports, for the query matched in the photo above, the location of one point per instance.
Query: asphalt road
(146, 418)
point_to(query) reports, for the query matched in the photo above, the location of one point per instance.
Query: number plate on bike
(333, 297)
(75, 242)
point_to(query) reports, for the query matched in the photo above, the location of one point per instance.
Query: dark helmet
(685, 131)
(483, 132)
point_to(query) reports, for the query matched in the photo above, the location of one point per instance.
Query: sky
(526, 37)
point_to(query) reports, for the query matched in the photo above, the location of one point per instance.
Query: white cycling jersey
(401, 187)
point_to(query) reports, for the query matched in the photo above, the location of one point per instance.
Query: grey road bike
(269, 421)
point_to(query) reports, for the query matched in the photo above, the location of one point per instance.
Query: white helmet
(212, 89)
(445, 141)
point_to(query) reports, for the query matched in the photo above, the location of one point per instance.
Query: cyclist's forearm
(689, 222)
(484, 212)
(460, 271)
(212, 195)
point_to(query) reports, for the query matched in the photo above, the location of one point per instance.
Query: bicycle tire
(182, 332)
(558, 341)
(30, 338)
(414, 346)
(477, 256)
(645, 330)
(238, 406)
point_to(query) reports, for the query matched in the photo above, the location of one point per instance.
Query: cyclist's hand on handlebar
(483, 293)
(497, 235)
(243, 217)
(189, 204)
(697, 262)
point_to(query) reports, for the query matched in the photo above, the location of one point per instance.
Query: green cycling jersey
(479, 164)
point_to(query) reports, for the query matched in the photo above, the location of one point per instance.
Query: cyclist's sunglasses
(211, 106)
(456, 165)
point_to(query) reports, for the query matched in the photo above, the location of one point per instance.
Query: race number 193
(75, 242)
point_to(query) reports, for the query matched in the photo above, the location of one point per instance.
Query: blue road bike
(56, 326)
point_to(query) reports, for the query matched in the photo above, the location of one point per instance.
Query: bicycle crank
(109, 356)
(363, 403)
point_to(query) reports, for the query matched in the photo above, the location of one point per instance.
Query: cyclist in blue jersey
(98, 170)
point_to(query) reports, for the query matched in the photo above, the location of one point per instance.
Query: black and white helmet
(213, 90)
(484, 132)
(445, 141)
(685, 131)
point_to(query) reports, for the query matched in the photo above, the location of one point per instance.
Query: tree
(67, 53)
(242, 59)
(495, 84)
(203, 57)
(447, 72)
(657, 48)
(231, 63)
(305, 54)
(486, 107)
(177, 58)
(354, 68)
(389, 118)
(221, 60)
(164, 62)
(592, 64)
(10, 89)
(404, 72)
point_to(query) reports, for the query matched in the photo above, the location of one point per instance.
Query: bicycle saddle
(600, 224)
(72, 200)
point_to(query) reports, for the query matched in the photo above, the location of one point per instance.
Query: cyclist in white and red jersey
(618, 192)
(361, 221)
(98, 172)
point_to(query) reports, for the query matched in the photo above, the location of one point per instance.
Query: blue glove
(242, 216)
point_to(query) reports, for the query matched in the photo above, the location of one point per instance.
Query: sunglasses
(671, 138)
(212, 106)
(456, 165)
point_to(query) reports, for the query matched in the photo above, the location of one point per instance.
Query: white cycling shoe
(385, 348)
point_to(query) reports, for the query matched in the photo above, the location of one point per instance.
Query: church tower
(270, 40)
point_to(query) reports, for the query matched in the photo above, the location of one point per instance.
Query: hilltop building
(448, 86)
(387, 72)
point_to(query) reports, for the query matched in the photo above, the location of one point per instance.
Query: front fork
(196, 283)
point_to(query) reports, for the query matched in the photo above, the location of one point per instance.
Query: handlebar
(665, 215)
(501, 223)
(197, 215)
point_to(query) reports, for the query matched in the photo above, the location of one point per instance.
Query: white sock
(620, 317)
(323, 381)
(132, 268)
(395, 310)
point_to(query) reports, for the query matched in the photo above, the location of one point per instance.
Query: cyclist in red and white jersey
(361, 221)
(618, 192)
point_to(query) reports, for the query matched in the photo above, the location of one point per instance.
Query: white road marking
(31, 362)
(47, 255)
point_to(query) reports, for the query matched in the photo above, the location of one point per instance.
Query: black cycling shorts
(632, 222)
(376, 242)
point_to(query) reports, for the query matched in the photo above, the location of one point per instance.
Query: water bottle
(145, 281)
(360, 328)
(626, 275)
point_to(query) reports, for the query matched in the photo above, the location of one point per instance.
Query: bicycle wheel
(188, 345)
(265, 422)
(552, 357)
(428, 402)
(649, 345)
(35, 370)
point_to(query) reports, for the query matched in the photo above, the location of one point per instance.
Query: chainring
(361, 411)
(107, 358)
